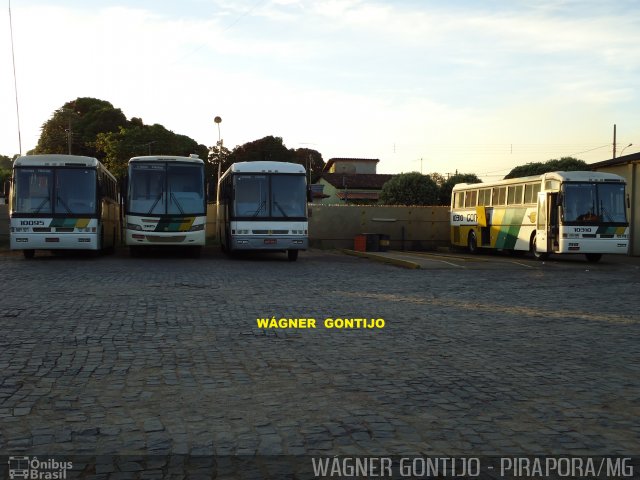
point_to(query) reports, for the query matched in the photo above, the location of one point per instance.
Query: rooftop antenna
(15, 82)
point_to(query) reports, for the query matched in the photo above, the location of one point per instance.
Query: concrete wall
(631, 173)
(411, 228)
(335, 226)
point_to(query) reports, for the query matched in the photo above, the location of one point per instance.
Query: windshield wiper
(155, 203)
(260, 207)
(606, 213)
(173, 197)
(280, 208)
(61, 202)
(39, 207)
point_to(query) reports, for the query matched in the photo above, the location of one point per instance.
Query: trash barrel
(360, 243)
(384, 242)
(373, 242)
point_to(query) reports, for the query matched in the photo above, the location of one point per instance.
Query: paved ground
(490, 355)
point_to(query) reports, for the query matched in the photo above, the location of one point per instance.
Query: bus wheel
(134, 251)
(593, 257)
(292, 255)
(473, 242)
(29, 253)
(538, 255)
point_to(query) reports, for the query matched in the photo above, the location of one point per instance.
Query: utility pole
(614, 140)
(69, 134)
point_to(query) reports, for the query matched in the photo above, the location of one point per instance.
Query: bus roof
(55, 160)
(580, 176)
(266, 167)
(573, 176)
(166, 158)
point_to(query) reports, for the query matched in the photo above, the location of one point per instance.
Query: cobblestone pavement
(162, 355)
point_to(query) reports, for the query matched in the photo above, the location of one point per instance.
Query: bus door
(554, 226)
(542, 224)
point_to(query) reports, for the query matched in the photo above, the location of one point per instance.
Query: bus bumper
(54, 241)
(594, 245)
(142, 238)
(257, 242)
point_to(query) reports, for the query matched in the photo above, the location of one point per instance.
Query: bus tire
(29, 254)
(537, 255)
(472, 242)
(292, 255)
(593, 257)
(134, 251)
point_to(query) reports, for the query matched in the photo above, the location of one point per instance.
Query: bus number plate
(270, 241)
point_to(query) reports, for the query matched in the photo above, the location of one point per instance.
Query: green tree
(311, 160)
(565, 164)
(116, 148)
(79, 121)
(6, 163)
(268, 148)
(409, 189)
(272, 148)
(446, 187)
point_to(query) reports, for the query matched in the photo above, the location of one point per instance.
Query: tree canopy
(565, 164)
(95, 128)
(409, 189)
(272, 148)
(446, 187)
(116, 148)
(75, 126)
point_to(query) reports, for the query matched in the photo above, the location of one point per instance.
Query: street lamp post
(218, 121)
(625, 148)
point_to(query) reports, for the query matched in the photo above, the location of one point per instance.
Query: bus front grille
(170, 239)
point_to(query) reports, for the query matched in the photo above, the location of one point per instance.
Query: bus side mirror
(628, 201)
(309, 195)
(124, 187)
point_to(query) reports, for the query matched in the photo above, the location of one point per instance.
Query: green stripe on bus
(508, 235)
(66, 222)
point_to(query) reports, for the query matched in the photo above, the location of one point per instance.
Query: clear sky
(473, 86)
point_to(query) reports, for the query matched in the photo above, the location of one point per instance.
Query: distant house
(350, 180)
(628, 167)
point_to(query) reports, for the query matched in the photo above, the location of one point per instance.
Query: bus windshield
(59, 191)
(159, 188)
(270, 196)
(594, 202)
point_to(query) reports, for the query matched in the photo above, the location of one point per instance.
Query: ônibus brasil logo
(32, 468)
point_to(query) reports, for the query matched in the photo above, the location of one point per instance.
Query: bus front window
(186, 189)
(33, 190)
(288, 196)
(251, 196)
(611, 202)
(146, 189)
(75, 191)
(591, 202)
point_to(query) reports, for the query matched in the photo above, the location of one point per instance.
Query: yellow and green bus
(552, 213)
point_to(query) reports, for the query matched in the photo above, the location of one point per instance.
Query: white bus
(62, 202)
(263, 206)
(165, 203)
(557, 212)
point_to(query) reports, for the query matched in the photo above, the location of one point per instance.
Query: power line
(15, 81)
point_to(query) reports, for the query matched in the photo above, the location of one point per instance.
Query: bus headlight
(133, 226)
(197, 228)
